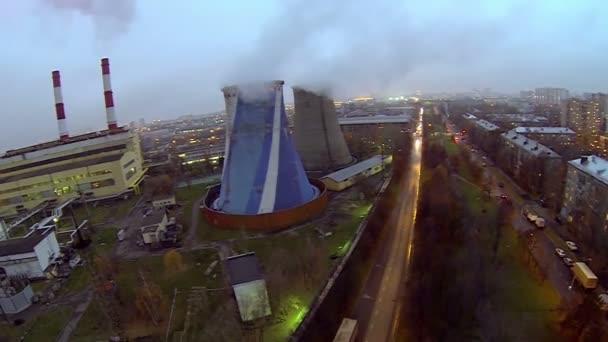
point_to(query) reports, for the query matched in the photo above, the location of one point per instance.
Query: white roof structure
(532, 146)
(544, 130)
(376, 119)
(517, 117)
(346, 173)
(469, 116)
(486, 125)
(592, 165)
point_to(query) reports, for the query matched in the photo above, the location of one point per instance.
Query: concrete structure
(484, 133)
(263, 174)
(153, 226)
(370, 135)
(163, 201)
(107, 94)
(91, 166)
(535, 167)
(30, 256)
(59, 107)
(249, 286)
(585, 119)
(344, 178)
(318, 138)
(550, 96)
(509, 121)
(562, 140)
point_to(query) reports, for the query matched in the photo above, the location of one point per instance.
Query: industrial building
(535, 167)
(371, 135)
(249, 286)
(318, 138)
(90, 166)
(28, 257)
(274, 191)
(344, 178)
(584, 202)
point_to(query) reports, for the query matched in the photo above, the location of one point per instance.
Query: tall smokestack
(59, 109)
(107, 93)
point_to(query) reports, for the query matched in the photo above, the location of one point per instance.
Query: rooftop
(517, 117)
(376, 119)
(469, 116)
(544, 130)
(21, 245)
(243, 268)
(592, 165)
(486, 125)
(532, 146)
(70, 140)
(355, 169)
(155, 217)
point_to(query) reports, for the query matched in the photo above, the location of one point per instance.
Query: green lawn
(48, 325)
(520, 300)
(101, 213)
(93, 325)
(104, 240)
(79, 279)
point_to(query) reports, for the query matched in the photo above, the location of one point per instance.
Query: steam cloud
(358, 46)
(110, 17)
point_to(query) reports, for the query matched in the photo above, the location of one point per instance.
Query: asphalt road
(379, 306)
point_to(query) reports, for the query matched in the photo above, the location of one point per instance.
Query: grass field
(105, 212)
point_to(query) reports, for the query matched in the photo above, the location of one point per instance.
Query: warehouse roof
(243, 268)
(375, 119)
(346, 173)
(544, 130)
(155, 217)
(469, 116)
(486, 125)
(532, 146)
(592, 165)
(21, 245)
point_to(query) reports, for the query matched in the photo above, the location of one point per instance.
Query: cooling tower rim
(234, 87)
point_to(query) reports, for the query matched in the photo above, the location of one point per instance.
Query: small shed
(153, 225)
(163, 201)
(249, 286)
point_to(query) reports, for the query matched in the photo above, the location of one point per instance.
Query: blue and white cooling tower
(263, 172)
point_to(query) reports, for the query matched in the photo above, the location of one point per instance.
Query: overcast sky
(171, 57)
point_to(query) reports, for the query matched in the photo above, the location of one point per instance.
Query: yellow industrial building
(91, 166)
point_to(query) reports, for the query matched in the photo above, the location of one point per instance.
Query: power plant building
(91, 166)
(317, 134)
(264, 184)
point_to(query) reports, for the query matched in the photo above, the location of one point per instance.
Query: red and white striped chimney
(107, 93)
(59, 109)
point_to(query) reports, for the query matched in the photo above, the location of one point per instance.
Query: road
(378, 308)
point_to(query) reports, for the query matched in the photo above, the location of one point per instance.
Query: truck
(584, 275)
(532, 217)
(347, 331)
(539, 223)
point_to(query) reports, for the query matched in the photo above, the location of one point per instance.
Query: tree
(159, 185)
(173, 261)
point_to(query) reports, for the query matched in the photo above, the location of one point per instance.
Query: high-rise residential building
(602, 100)
(584, 118)
(584, 202)
(527, 95)
(550, 96)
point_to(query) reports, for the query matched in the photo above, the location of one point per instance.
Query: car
(568, 262)
(558, 219)
(501, 184)
(503, 196)
(484, 164)
(560, 252)
(572, 246)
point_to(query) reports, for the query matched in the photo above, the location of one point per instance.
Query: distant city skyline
(175, 65)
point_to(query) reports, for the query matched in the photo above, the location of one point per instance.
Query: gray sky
(171, 57)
